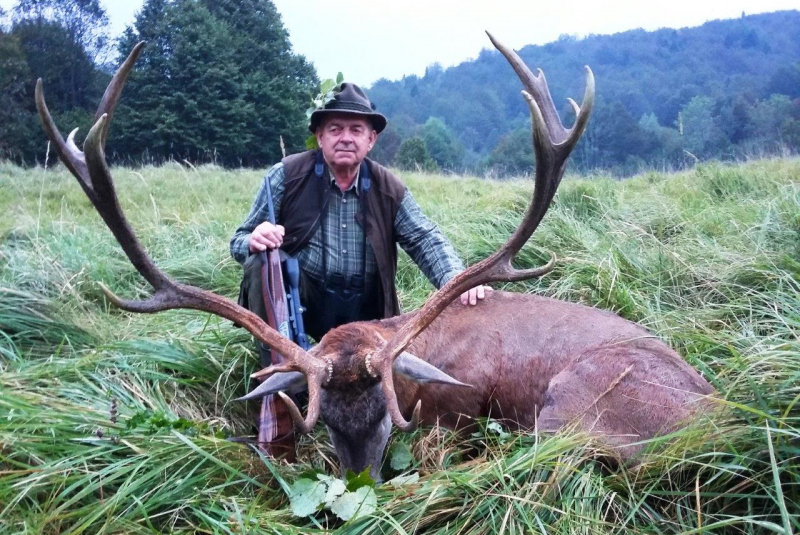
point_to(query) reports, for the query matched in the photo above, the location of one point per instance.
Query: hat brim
(378, 121)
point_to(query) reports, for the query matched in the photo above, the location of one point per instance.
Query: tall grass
(117, 423)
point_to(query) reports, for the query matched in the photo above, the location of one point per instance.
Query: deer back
(510, 349)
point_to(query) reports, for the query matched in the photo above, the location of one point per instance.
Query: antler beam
(90, 168)
(552, 145)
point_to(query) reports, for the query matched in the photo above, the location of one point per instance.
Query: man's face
(345, 140)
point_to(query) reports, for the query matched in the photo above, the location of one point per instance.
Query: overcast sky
(371, 39)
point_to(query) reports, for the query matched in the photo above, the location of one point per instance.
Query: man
(341, 215)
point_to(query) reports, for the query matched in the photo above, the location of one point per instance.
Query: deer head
(350, 374)
(353, 404)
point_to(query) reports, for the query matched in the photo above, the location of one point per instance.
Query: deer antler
(89, 167)
(552, 144)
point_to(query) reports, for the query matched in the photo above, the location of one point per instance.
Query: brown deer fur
(534, 359)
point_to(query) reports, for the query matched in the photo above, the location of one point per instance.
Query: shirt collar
(354, 185)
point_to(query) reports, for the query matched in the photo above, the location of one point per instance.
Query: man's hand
(473, 295)
(266, 236)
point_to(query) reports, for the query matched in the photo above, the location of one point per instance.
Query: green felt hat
(353, 101)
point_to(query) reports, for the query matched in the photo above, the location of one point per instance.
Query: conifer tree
(17, 127)
(413, 155)
(442, 144)
(278, 83)
(216, 82)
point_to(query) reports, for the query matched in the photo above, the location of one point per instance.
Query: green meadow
(118, 423)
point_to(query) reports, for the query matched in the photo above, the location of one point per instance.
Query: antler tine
(67, 152)
(583, 111)
(537, 87)
(114, 89)
(91, 170)
(393, 407)
(305, 426)
(552, 145)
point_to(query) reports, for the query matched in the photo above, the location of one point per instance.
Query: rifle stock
(275, 429)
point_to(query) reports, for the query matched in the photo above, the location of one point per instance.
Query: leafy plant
(349, 500)
(329, 88)
(401, 456)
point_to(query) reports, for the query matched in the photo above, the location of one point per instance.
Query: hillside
(117, 423)
(218, 83)
(735, 64)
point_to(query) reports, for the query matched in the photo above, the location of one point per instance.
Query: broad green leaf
(498, 429)
(326, 86)
(306, 496)
(351, 505)
(336, 488)
(339, 78)
(401, 456)
(312, 474)
(356, 481)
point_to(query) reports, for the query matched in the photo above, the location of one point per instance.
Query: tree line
(727, 89)
(218, 82)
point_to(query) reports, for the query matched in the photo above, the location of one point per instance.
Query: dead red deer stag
(531, 361)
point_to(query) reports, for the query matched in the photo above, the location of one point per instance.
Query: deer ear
(420, 371)
(283, 381)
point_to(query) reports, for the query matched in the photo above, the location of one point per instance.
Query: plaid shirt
(342, 239)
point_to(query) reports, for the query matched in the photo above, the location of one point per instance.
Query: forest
(667, 99)
(219, 83)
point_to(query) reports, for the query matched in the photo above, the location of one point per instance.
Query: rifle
(298, 330)
(275, 429)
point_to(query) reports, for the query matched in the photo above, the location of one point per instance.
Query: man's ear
(373, 137)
